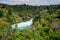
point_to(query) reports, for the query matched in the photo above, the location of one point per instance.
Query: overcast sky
(31, 2)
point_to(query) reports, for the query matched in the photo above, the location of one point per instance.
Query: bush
(1, 13)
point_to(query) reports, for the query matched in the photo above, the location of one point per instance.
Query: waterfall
(23, 25)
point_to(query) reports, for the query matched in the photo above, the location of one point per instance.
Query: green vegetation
(46, 23)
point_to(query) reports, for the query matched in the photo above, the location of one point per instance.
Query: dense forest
(46, 22)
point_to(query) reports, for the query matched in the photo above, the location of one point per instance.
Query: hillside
(46, 23)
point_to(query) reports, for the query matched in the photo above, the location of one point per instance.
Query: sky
(30, 2)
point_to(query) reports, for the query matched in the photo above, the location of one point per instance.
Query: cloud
(54, 1)
(31, 2)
